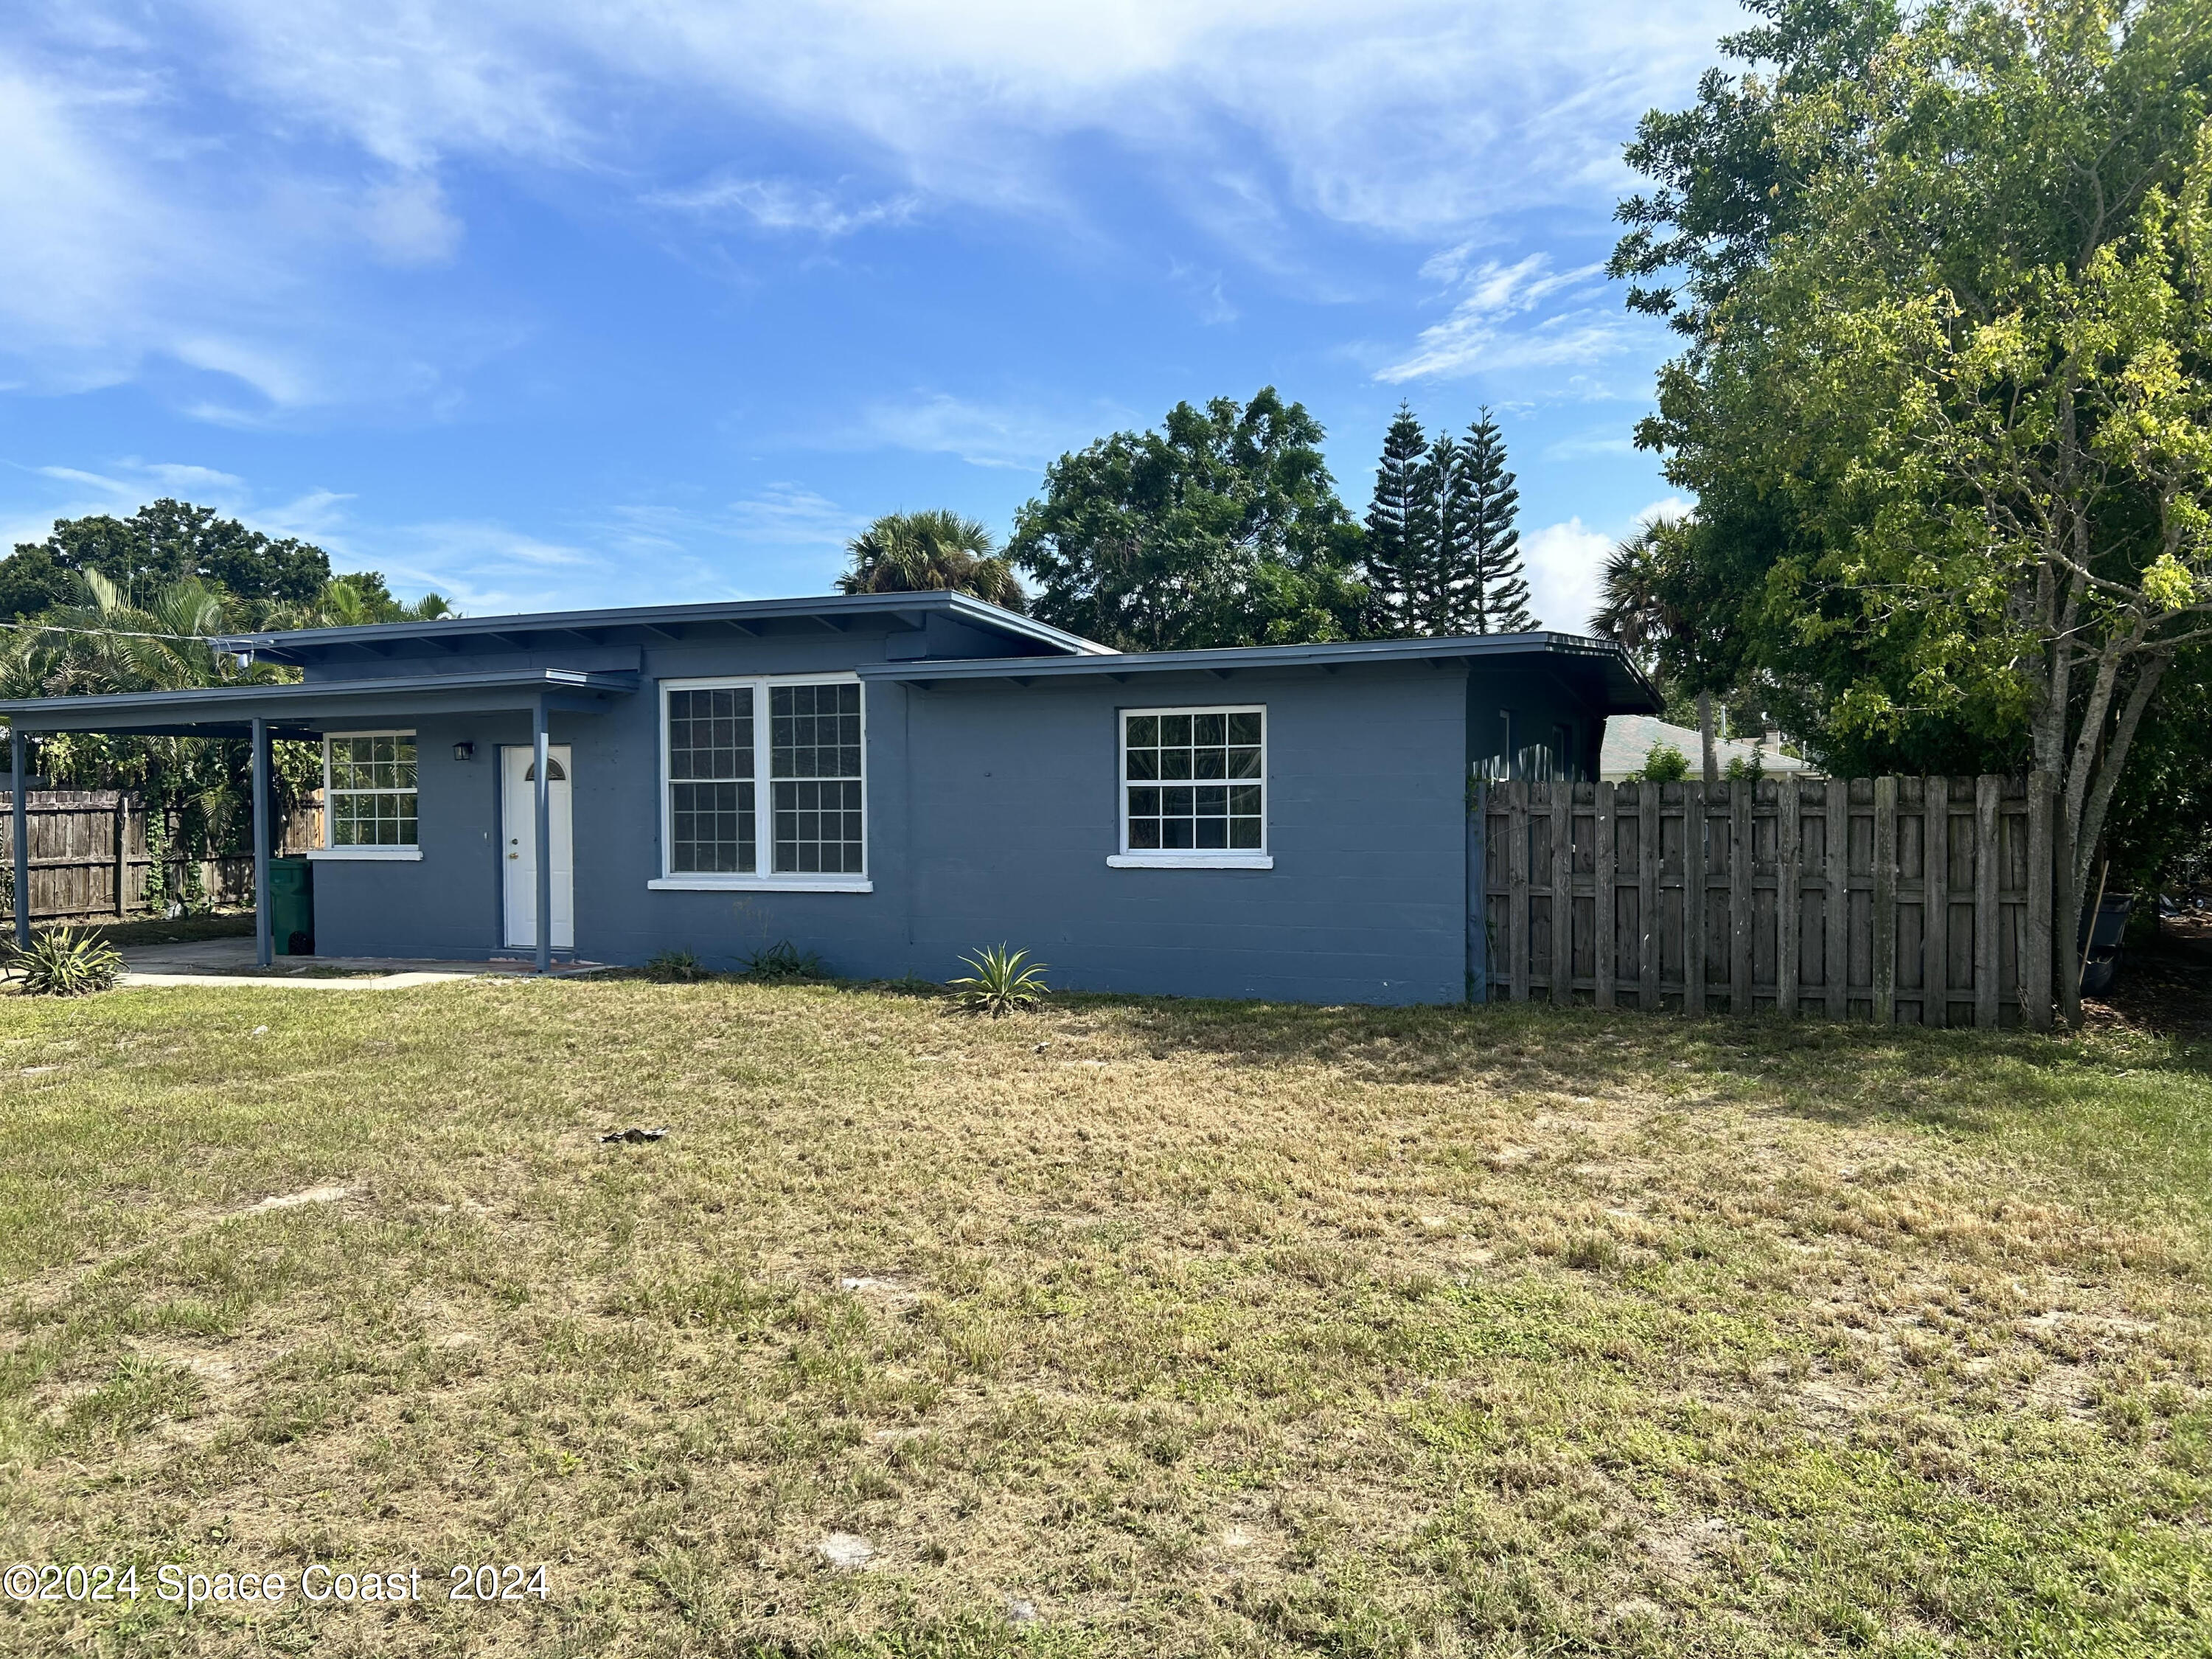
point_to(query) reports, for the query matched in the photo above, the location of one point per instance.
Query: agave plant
(64, 963)
(1004, 982)
(784, 960)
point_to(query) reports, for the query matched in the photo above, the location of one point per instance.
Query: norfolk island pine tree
(1395, 524)
(1492, 597)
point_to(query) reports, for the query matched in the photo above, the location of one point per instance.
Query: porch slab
(230, 961)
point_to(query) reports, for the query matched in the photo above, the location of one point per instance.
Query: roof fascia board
(744, 617)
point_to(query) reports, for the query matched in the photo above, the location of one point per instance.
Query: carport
(309, 710)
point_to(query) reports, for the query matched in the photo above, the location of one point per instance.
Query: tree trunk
(1712, 764)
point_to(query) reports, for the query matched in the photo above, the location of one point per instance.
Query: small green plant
(64, 963)
(678, 968)
(1001, 983)
(1742, 771)
(783, 960)
(1664, 764)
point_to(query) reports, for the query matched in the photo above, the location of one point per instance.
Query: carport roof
(311, 709)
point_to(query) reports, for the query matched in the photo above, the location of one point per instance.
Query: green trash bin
(292, 906)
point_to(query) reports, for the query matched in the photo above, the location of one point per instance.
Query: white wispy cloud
(1010, 435)
(1492, 325)
(212, 175)
(780, 204)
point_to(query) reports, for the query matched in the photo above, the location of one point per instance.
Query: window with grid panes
(1194, 780)
(711, 823)
(368, 790)
(814, 765)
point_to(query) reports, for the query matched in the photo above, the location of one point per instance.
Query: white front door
(517, 819)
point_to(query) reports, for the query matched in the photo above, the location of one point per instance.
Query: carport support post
(264, 953)
(21, 807)
(543, 800)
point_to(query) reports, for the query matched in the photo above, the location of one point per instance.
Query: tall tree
(1395, 524)
(1946, 399)
(1439, 565)
(170, 541)
(1224, 528)
(933, 550)
(1492, 596)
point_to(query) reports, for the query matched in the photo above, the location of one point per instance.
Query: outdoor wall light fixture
(464, 750)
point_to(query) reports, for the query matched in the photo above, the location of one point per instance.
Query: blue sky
(544, 305)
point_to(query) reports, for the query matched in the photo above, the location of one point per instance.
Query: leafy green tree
(359, 599)
(169, 541)
(1396, 523)
(1944, 398)
(929, 551)
(1222, 529)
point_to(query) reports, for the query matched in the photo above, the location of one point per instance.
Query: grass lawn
(1128, 1327)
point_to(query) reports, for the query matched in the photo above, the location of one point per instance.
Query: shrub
(677, 967)
(1664, 764)
(783, 960)
(64, 963)
(1000, 984)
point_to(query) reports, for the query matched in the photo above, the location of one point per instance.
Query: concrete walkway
(230, 961)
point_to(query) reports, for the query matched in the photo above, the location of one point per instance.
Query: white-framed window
(763, 784)
(369, 796)
(1193, 788)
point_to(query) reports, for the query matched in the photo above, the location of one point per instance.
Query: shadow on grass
(2105, 1096)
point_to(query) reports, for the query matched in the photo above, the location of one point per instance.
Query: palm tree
(1634, 610)
(935, 551)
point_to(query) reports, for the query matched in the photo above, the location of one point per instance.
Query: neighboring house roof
(654, 624)
(1625, 687)
(1629, 740)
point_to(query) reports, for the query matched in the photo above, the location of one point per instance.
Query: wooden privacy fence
(1897, 900)
(89, 860)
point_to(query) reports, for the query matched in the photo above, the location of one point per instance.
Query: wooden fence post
(2035, 963)
(1885, 901)
(1935, 902)
(1694, 898)
(1837, 938)
(1647, 896)
(1789, 901)
(1562, 892)
(1742, 794)
(1986, 790)
(1605, 911)
(1517, 853)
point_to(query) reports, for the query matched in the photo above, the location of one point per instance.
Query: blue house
(890, 781)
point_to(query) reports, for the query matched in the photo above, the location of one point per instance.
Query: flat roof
(317, 706)
(1625, 686)
(632, 624)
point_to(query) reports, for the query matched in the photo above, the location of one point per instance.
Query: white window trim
(761, 877)
(1195, 857)
(392, 853)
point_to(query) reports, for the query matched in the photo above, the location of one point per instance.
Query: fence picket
(1647, 896)
(1789, 898)
(1563, 893)
(2035, 971)
(1720, 913)
(1518, 852)
(1986, 792)
(1605, 906)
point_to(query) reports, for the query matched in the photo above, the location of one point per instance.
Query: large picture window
(763, 784)
(1195, 786)
(368, 790)
(711, 826)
